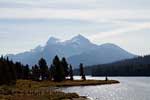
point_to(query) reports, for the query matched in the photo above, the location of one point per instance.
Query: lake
(129, 88)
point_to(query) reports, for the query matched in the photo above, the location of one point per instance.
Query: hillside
(139, 66)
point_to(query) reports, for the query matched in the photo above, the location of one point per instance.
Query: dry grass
(32, 90)
(27, 84)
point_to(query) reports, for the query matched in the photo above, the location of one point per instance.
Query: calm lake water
(130, 88)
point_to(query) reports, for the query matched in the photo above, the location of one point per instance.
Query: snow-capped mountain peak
(77, 50)
(39, 48)
(53, 40)
(79, 38)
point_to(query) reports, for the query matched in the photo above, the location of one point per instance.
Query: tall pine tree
(65, 66)
(82, 72)
(43, 69)
(71, 72)
(57, 69)
(7, 72)
(35, 73)
(26, 72)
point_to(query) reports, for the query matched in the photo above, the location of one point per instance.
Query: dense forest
(139, 66)
(58, 71)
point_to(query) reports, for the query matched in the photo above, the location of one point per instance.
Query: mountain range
(77, 50)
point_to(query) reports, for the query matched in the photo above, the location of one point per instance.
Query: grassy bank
(32, 90)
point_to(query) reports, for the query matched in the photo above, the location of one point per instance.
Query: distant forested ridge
(139, 66)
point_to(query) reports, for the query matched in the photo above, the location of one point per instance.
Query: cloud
(89, 15)
(131, 28)
(53, 4)
(77, 4)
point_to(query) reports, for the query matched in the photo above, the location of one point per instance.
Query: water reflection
(130, 88)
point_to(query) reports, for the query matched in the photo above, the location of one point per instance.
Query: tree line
(58, 71)
(139, 66)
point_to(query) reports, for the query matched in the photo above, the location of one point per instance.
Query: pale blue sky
(24, 24)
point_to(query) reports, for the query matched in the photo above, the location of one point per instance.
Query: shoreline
(32, 90)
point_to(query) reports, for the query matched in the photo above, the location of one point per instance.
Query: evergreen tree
(71, 73)
(13, 72)
(1, 72)
(106, 78)
(43, 69)
(65, 66)
(51, 72)
(82, 72)
(57, 69)
(5, 78)
(7, 73)
(19, 70)
(26, 72)
(35, 73)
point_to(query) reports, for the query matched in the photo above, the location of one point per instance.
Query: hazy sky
(24, 24)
